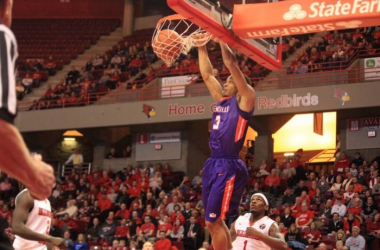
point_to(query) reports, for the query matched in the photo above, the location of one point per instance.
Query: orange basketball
(167, 44)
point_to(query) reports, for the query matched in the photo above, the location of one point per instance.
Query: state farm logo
(286, 101)
(321, 9)
(295, 11)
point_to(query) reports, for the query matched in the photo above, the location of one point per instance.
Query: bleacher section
(63, 39)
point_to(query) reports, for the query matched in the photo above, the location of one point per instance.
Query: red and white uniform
(242, 242)
(39, 220)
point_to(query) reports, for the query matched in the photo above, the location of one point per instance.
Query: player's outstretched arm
(275, 240)
(17, 162)
(24, 203)
(246, 91)
(206, 71)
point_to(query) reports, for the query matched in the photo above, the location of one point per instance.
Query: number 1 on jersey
(217, 122)
(245, 244)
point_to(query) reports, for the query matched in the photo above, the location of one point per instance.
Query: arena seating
(62, 38)
(108, 181)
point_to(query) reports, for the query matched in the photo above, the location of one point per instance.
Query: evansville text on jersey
(221, 109)
(242, 233)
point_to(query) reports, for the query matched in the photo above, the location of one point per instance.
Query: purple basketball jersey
(229, 127)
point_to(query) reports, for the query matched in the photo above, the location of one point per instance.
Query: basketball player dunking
(255, 230)
(225, 175)
(31, 224)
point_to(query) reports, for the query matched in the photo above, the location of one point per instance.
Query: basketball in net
(174, 36)
(167, 44)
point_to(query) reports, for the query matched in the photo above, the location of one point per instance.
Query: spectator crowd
(125, 209)
(335, 50)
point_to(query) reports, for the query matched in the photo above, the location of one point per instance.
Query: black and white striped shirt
(8, 57)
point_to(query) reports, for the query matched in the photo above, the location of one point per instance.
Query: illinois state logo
(150, 111)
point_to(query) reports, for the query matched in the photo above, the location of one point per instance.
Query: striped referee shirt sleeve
(8, 57)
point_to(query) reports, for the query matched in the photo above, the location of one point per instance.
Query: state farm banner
(372, 68)
(175, 86)
(309, 16)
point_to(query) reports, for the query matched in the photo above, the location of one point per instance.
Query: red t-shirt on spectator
(5, 215)
(274, 180)
(153, 213)
(105, 204)
(164, 227)
(122, 231)
(304, 217)
(122, 214)
(346, 225)
(164, 244)
(314, 235)
(314, 56)
(296, 209)
(371, 226)
(146, 228)
(305, 199)
(37, 76)
(143, 186)
(134, 192)
(136, 177)
(285, 47)
(69, 223)
(48, 92)
(173, 217)
(135, 63)
(341, 164)
(355, 210)
(357, 35)
(295, 164)
(311, 193)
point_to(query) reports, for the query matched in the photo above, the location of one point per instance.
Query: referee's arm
(15, 158)
(14, 154)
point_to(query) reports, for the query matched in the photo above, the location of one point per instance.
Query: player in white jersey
(255, 230)
(31, 224)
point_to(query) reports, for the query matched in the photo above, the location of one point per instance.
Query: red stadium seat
(85, 219)
(179, 245)
(95, 247)
(309, 247)
(328, 240)
(82, 226)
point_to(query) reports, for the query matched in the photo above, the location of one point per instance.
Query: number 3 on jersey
(217, 122)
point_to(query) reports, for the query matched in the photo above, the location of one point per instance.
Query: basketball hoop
(174, 35)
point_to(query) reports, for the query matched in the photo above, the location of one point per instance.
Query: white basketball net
(190, 35)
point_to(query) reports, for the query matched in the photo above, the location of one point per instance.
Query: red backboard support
(209, 18)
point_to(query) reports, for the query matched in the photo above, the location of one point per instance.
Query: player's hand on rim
(201, 39)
